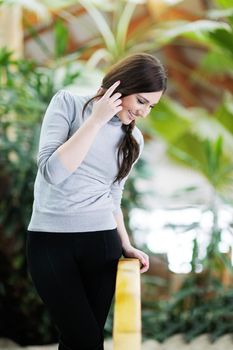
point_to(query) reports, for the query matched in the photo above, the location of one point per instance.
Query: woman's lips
(131, 117)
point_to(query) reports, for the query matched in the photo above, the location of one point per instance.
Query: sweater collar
(115, 121)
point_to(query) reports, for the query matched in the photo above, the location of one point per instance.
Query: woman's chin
(127, 122)
(125, 119)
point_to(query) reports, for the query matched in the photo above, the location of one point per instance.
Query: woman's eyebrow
(146, 100)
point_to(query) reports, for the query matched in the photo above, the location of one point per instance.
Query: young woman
(76, 235)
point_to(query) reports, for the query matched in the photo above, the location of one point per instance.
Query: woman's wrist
(95, 122)
(126, 246)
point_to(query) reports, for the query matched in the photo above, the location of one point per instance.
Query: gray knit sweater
(85, 199)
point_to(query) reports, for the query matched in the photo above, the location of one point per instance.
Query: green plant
(117, 41)
(25, 92)
(190, 311)
(21, 106)
(202, 142)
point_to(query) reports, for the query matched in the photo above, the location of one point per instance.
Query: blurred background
(178, 200)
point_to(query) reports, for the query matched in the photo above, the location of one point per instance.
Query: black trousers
(75, 276)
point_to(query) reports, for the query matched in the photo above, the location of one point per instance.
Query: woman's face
(138, 105)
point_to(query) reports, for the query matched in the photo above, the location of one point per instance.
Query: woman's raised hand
(107, 106)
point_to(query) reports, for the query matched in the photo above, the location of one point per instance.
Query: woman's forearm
(128, 250)
(122, 230)
(74, 150)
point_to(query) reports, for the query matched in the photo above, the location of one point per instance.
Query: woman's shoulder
(73, 101)
(72, 96)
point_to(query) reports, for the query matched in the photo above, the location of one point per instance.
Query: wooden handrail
(127, 307)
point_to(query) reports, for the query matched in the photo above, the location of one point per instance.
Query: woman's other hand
(131, 252)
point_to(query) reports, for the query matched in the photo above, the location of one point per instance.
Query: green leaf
(184, 157)
(224, 3)
(102, 25)
(196, 30)
(219, 13)
(217, 63)
(61, 36)
(169, 119)
(224, 39)
(123, 25)
(224, 113)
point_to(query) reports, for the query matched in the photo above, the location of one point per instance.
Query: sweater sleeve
(117, 188)
(54, 132)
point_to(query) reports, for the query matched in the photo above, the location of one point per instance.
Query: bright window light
(172, 232)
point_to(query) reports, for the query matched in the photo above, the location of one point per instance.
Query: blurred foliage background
(48, 45)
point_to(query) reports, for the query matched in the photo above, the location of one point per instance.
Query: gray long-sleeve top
(85, 199)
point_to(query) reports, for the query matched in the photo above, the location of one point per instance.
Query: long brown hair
(138, 73)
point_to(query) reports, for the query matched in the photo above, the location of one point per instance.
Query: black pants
(74, 275)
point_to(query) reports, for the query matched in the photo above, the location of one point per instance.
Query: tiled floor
(173, 343)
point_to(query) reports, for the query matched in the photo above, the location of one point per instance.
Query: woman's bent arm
(58, 156)
(74, 150)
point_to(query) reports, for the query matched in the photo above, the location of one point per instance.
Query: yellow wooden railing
(127, 306)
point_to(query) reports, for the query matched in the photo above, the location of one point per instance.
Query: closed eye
(142, 102)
